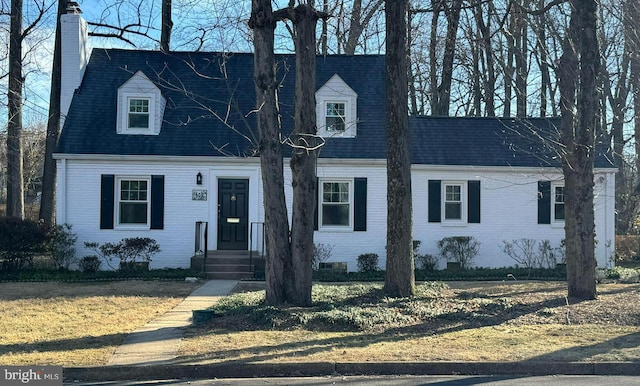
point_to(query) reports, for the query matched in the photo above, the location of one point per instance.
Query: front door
(233, 213)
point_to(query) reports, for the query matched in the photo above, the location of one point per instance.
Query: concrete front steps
(229, 265)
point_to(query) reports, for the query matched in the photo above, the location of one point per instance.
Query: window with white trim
(335, 118)
(336, 109)
(132, 201)
(336, 203)
(453, 203)
(138, 117)
(140, 106)
(558, 203)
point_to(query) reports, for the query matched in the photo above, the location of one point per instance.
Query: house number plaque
(199, 195)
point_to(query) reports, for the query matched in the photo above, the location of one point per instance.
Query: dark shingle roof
(512, 142)
(210, 97)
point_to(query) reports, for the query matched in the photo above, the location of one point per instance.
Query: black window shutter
(360, 204)
(435, 198)
(315, 208)
(107, 182)
(544, 202)
(473, 209)
(157, 202)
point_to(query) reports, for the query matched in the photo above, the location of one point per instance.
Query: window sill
(557, 224)
(345, 229)
(458, 224)
(131, 228)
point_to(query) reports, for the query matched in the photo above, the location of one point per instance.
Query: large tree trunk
(278, 268)
(15, 181)
(578, 72)
(303, 158)
(48, 198)
(167, 26)
(399, 278)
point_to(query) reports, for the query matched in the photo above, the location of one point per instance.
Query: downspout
(61, 181)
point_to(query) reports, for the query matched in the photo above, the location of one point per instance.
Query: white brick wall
(508, 207)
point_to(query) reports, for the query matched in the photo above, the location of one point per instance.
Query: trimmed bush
(90, 264)
(368, 262)
(321, 253)
(461, 249)
(129, 251)
(64, 246)
(424, 262)
(20, 241)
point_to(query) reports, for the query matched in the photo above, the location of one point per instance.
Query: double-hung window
(138, 113)
(558, 203)
(335, 116)
(336, 203)
(454, 202)
(133, 201)
(453, 210)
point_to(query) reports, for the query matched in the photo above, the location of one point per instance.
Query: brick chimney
(75, 55)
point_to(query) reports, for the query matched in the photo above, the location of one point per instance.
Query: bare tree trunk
(489, 85)
(632, 9)
(278, 267)
(522, 70)
(436, 6)
(411, 76)
(543, 55)
(324, 39)
(508, 66)
(303, 159)
(625, 201)
(167, 26)
(578, 72)
(399, 278)
(48, 198)
(15, 180)
(358, 22)
(444, 89)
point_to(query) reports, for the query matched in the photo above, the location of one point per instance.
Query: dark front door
(233, 213)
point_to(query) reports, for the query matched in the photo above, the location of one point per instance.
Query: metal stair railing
(259, 241)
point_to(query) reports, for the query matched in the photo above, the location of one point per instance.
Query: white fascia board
(157, 158)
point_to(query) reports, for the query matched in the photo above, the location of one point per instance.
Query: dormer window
(140, 106)
(138, 113)
(336, 109)
(335, 116)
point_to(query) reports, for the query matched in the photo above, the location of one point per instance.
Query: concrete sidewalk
(158, 341)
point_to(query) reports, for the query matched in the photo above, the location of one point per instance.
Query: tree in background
(167, 26)
(48, 198)
(15, 183)
(17, 35)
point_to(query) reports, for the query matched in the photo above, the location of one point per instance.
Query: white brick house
(154, 143)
